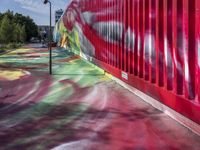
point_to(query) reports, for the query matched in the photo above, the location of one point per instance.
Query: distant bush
(11, 46)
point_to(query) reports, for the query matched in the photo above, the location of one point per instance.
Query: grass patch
(10, 46)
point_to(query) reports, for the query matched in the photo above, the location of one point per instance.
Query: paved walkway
(78, 108)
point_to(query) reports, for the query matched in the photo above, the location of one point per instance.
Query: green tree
(16, 33)
(19, 34)
(19, 21)
(1, 17)
(6, 30)
(9, 14)
(30, 27)
(22, 34)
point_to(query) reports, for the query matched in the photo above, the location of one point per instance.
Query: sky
(33, 8)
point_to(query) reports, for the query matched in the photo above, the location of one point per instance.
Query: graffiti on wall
(154, 44)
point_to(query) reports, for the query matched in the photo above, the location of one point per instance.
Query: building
(44, 31)
(58, 14)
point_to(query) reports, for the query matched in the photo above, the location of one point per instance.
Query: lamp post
(50, 39)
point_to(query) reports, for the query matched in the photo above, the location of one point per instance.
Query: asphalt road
(77, 108)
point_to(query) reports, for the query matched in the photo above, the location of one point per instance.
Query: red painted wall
(153, 44)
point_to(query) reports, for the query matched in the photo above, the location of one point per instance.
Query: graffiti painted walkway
(78, 108)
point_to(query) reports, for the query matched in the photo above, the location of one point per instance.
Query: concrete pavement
(78, 108)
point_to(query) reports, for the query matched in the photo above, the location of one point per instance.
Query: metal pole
(50, 48)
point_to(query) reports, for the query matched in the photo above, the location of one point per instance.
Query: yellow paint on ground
(109, 75)
(20, 50)
(11, 75)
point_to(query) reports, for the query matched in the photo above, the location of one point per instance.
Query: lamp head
(46, 1)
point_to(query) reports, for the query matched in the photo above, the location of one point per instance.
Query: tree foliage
(16, 27)
(6, 30)
(30, 27)
(19, 33)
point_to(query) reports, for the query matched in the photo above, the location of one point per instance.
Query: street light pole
(50, 39)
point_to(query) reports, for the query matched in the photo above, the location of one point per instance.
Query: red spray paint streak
(156, 43)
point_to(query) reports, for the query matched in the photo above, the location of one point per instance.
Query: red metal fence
(154, 45)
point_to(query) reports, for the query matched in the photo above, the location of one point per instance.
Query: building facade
(58, 15)
(44, 31)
